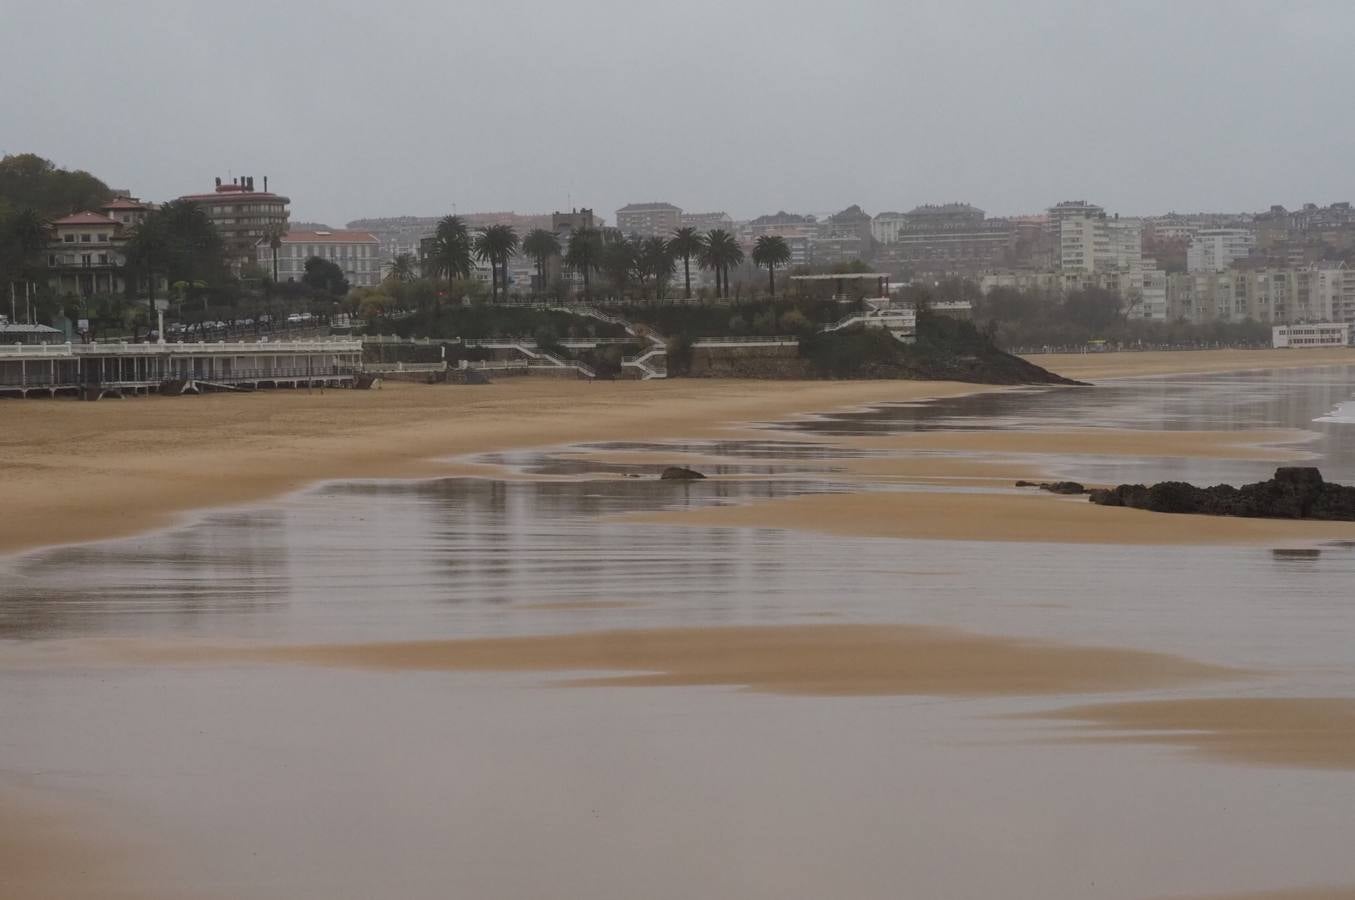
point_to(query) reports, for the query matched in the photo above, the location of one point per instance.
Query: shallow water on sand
(267, 781)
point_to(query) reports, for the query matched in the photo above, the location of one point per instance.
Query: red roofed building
(358, 253)
(87, 251)
(243, 215)
(86, 254)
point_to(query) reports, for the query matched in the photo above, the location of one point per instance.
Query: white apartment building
(357, 253)
(1124, 239)
(1216, 249)
(885, 227)
(1083, 241)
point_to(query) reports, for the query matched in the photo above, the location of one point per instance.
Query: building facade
(708, 221)
(357, 253)
(649, 219)
(951, 238)
(1216, 249)
(243, 216)
(87, 251)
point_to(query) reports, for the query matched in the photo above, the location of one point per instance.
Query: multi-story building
(243, 216)
(851, 221)
(357, 253)
(1083, 242)
(1124, 240)
(649, 219)
(86, 253)
(885, 227)
(1144, 291)
(834, 248)
(1279, 296)
(951, 238)
(708, 221)
(1216, 249)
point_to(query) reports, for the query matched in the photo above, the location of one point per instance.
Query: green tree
(620, 259)
(452, 257)
(585, 256)
(655, 259)
(23, 240)
(722, 251)
(402, 268)
(496, 244)
(325, 275)
(542, 246)
(689, 244)
(28, 180)
(179, 242)
(274, 236)
(769, 252)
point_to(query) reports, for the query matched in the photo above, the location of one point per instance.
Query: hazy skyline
(411, 108)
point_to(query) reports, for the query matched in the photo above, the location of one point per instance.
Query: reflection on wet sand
(954, 516)
(1321, 893)
(817, 659)
(335, 696)
(1317, 733)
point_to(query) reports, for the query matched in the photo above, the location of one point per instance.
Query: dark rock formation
(679, 473)
(1296, 492)
(1055, 487)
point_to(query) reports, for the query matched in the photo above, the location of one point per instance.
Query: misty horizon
(362, 112)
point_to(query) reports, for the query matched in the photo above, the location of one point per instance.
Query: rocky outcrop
(1296, 492)
(680, 473)
(1055, 487)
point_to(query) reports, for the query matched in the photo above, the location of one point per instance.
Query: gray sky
(411, 106)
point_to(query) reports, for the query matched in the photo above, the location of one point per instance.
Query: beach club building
(1311, 337)
(97, 370)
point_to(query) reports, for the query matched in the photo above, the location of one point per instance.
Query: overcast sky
(413, 106)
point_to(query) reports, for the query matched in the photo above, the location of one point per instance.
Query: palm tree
(585, 256)
(620, 259)
(656, 259)
(771, 251)
(687, 243)
(541, 245)
(451, 255)
(402, 267)
(494, 244)
(722, 251)
(274, 236)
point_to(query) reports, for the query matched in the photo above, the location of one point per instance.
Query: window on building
(84, 238)
(103, 259)
(103, 238)
(68, 238)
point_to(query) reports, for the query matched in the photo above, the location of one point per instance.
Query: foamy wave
(1344, 414)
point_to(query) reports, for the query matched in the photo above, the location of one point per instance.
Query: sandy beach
(80, 471)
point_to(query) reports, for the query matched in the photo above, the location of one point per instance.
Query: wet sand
(86, 471)
(1092, 366)
(821, 660)
(1036, 517)
(1314, 733)
(51, 849)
